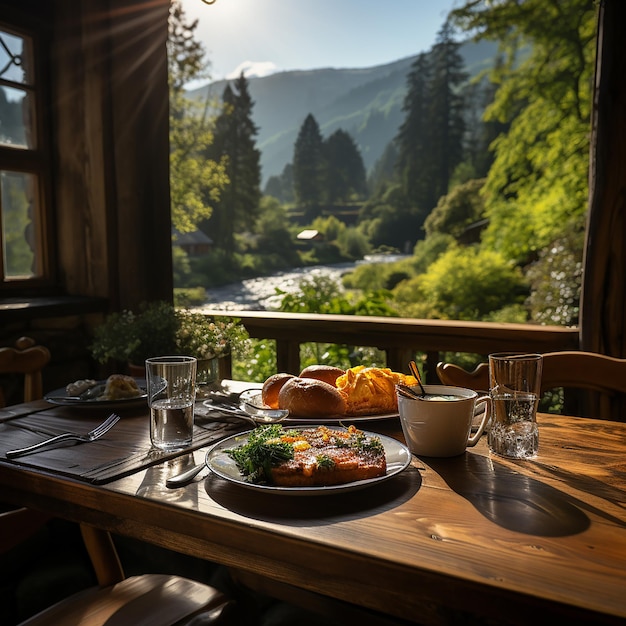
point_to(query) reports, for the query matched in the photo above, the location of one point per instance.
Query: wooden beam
(603, 300)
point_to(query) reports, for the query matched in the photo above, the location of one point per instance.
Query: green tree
(413, 141)
(281, 187)
(538, 180)
(389, 219)
(235, 142)
(308, 164)
(273, 235)
(345, 172)
(446, 106)
(195, 182)
(457, 210)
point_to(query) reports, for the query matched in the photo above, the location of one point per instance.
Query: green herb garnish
(263, 449)
(325, 462)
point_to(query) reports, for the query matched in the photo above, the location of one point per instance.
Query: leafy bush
(193, 296)
(464, 284)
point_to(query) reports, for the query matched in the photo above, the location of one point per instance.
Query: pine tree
(308, 165)
(413, 141)
(235, 133)
(345, 171)
(430, 140)
(446, 109)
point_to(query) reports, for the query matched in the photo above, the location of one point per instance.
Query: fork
(92, 435)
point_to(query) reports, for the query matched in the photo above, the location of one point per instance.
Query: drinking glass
(515, 388)
(171, 383)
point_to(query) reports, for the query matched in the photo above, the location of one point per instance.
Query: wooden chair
(154, 599)
(27, 359)
(603, 376)
(150, 599)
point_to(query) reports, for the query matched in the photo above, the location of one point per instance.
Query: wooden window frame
(34, 161)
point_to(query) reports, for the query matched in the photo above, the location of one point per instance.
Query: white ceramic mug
(440, 426)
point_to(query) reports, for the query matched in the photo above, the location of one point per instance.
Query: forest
(484, 187)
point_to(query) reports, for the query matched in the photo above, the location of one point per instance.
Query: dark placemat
(125, 449)
(19, 410)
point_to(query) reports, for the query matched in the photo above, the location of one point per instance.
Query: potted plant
(133, 336)
(210, 340)
(157, 329)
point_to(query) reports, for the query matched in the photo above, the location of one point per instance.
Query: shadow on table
(323, 509)
(512, 500)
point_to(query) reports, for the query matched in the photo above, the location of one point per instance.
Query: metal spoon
(185, 477)
(416, 375)
(408, 392)
(251, 413)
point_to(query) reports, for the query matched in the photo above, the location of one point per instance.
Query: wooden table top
(503, 540)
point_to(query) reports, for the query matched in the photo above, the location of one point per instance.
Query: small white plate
(60, 397)
(219, 462)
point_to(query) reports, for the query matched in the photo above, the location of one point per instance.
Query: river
(258, 294)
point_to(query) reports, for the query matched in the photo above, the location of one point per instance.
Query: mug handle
(473, 440)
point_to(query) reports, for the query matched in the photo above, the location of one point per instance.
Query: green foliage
(308, 164)
(372, 277)
(318, 294)
(259, 362)
(132, 337)
(457, 210)
(367, 277)
(158, 328)
(194, 296)
(345, 172)
(353, 244)
(321, 294)
(556, 280)
(538, 180)
(429, 250)
(16, 224)
(330, 227)
(234, 145)
(274, 236)
(464, 284)
(430, 140)
(195, 182)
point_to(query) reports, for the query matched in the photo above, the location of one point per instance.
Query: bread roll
(271, 388)
(327, 373)
(308, 397)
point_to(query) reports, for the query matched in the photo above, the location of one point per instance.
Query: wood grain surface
(475, 538)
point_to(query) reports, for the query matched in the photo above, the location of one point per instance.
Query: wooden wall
(111, 109)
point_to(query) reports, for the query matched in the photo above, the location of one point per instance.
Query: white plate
(255, 399)
(59, 397)
(219, 462)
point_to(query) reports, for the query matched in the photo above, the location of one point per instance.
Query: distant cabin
(195, 243)
(310, 235)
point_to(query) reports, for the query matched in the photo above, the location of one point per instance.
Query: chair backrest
(604, 375)
(27, 359)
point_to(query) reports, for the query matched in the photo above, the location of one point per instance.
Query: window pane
(15, 58)
(18, 202)
(16, 118)
(16, 98)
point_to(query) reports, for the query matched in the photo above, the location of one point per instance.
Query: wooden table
(476, 535)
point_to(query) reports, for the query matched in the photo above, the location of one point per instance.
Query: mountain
(366, 102)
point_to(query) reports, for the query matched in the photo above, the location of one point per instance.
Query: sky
(262, 37)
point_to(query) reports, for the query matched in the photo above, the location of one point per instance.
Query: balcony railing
(400, 338)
